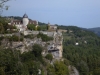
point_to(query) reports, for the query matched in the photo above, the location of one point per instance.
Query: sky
(81, 13)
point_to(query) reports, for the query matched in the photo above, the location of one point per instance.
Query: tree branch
(3, 1)
(2, 5)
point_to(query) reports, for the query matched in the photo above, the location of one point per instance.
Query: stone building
(22, 24)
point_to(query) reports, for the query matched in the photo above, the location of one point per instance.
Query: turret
(25, 21)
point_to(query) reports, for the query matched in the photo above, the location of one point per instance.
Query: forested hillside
(82, 49)
(95, 30)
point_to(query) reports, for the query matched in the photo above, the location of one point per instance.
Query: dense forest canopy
(86, 55)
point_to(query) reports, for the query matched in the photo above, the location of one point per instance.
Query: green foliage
(49, 57)
(40, 23)
(38, 28)
(44, 37)
(27, 56)
(31, 27)
(59, 68)
(15, 38)
(50, 70)
(4, 26)
(14, 63)
(1, 28)
(86, 56)
(37, 50)
(96, 71)
(48, 27)
(8, 61)
(43, 27)
(1, 38)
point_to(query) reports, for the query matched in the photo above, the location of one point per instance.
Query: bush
(49, 57)
(26, 56)
(44, 37)
(37, 49)
(15, 38)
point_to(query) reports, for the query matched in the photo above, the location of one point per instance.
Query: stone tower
(25, 21)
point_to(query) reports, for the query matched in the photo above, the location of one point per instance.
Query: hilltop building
(22, 24)
(51, 27)
(54, 47)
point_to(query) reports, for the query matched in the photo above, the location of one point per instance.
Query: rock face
(73, 70)
(55, 47)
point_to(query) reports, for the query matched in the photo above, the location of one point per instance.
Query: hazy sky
(81, 13)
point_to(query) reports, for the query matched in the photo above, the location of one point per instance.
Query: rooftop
(25, 16)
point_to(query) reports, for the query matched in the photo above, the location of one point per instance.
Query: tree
(8, 61)
(43, 27)
(3, 6)
(60, 68)
(37, 49)
(49, 57)
(27, 56)
(1, 28)
(31, 27)
(38, 28)
(44, 37)
(96, 71)
(86, 56)
(48, 27)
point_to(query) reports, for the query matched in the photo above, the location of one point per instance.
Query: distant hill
(95, 30)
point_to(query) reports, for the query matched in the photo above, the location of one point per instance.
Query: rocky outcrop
(73, 70)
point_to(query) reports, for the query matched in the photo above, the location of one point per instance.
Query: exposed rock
(73, 70)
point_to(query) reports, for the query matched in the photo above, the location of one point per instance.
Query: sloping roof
(33, 22)
(25, 16)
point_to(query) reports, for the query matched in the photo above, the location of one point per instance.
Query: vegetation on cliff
(12, 62)
(85, 56)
